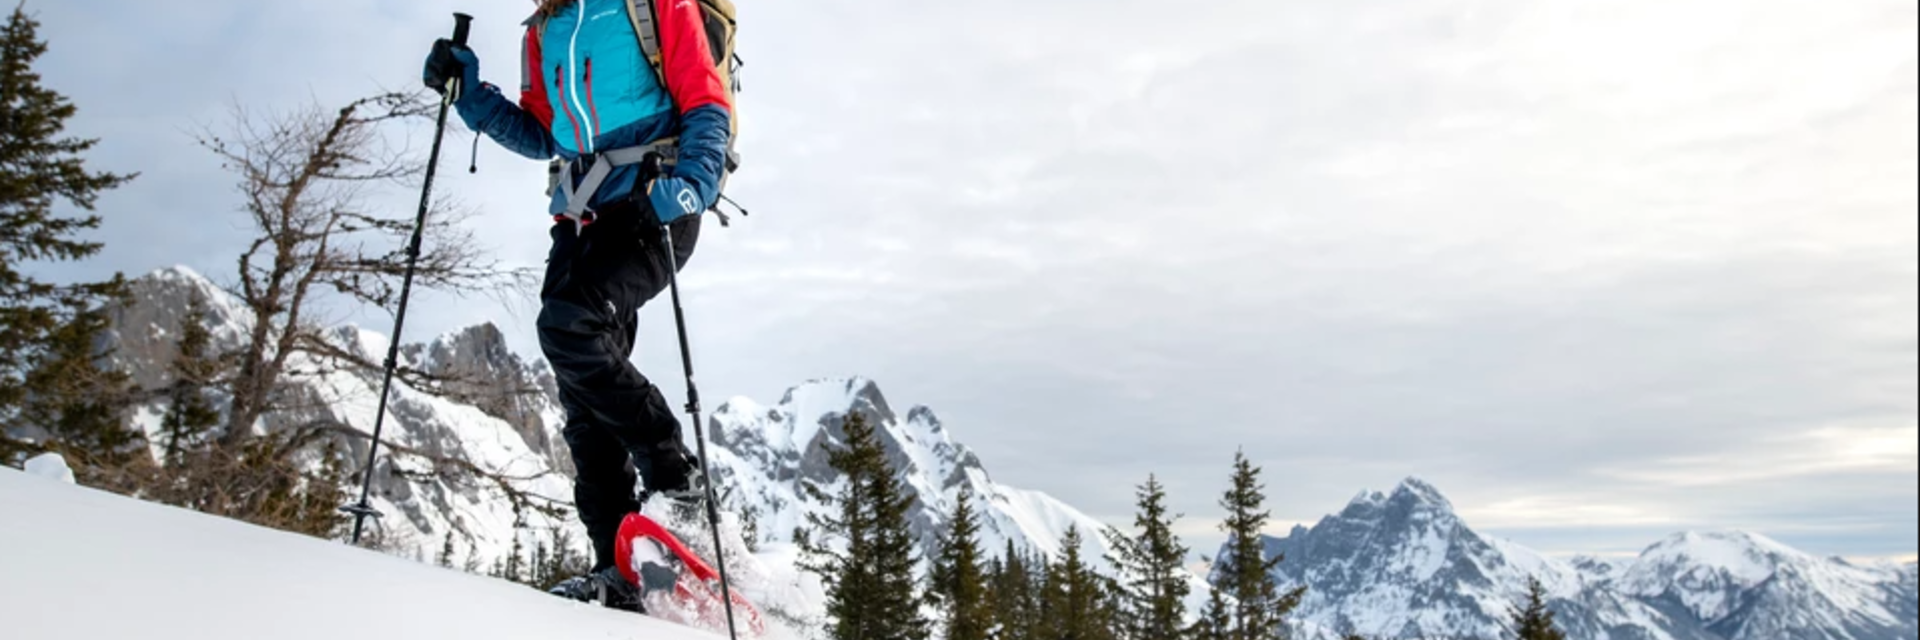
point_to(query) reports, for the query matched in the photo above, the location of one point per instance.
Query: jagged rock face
(764, 454)
(1404, 565)
(478, 419)
(143, 336)
(484, 373)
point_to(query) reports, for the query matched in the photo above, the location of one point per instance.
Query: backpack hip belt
(598, 167)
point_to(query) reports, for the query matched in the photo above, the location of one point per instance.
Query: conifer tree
(1153, 588)
(1216, 619)
(864, 552)
(959, 584)
(1016, 607)
(77, 401)
(1532, 620)
(1078, 598)
(1259, 610)
(44, 325)
(190, 414)
(445, 558)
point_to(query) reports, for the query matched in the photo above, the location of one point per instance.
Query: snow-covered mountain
(482, 419)
(1405, 565)
(764, 454)
(1746, 587)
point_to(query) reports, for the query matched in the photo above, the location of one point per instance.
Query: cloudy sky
(1600, 270)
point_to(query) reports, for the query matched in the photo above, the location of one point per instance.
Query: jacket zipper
(573, 52)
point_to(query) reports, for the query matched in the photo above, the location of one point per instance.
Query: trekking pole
(699, 430)
(360, 510)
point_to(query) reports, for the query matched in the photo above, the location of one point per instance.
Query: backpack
(720, 27)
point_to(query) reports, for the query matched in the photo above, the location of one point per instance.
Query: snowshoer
(633, 100)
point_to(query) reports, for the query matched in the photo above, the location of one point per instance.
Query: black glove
(449, 61)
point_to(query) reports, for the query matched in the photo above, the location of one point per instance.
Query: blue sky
(1601, 271)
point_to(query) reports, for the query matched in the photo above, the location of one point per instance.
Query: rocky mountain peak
(1417, 493)
(1403, 565)
(475, 366)
(766, 453)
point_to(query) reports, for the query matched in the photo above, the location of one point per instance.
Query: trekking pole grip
(462, 23)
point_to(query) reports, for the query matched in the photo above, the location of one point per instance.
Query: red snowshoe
(675, 584)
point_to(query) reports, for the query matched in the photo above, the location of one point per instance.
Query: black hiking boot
(575, 588)
(605, 586)
(678, 479)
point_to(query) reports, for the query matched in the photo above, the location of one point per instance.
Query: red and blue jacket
(586, 87)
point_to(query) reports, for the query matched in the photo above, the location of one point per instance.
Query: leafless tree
(306, 178)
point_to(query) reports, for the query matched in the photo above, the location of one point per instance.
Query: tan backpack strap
(648, 27)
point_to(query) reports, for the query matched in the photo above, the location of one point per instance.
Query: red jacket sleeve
(687, 60)
(533, 84)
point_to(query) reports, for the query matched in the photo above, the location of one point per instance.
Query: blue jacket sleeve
(704, 133)
(488, 112)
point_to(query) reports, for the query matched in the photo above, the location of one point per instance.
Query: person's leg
(603, 485)
(587, 324)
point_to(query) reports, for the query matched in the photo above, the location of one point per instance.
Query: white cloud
(1822, 451)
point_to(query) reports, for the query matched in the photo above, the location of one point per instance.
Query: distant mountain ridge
(1404, 565)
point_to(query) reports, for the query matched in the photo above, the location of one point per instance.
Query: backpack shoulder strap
(646, 24)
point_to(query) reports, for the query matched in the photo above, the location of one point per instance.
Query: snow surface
(168, 573)
(50, 466)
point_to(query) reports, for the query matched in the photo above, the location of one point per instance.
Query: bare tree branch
(306, 178)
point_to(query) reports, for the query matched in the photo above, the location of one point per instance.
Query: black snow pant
(618, 425)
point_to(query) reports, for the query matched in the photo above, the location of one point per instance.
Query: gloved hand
(450, 61)
(673, 198)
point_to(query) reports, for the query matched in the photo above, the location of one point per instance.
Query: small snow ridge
(50, 466)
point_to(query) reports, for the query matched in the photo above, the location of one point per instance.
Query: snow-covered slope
(1404, 565)
(80, 563)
